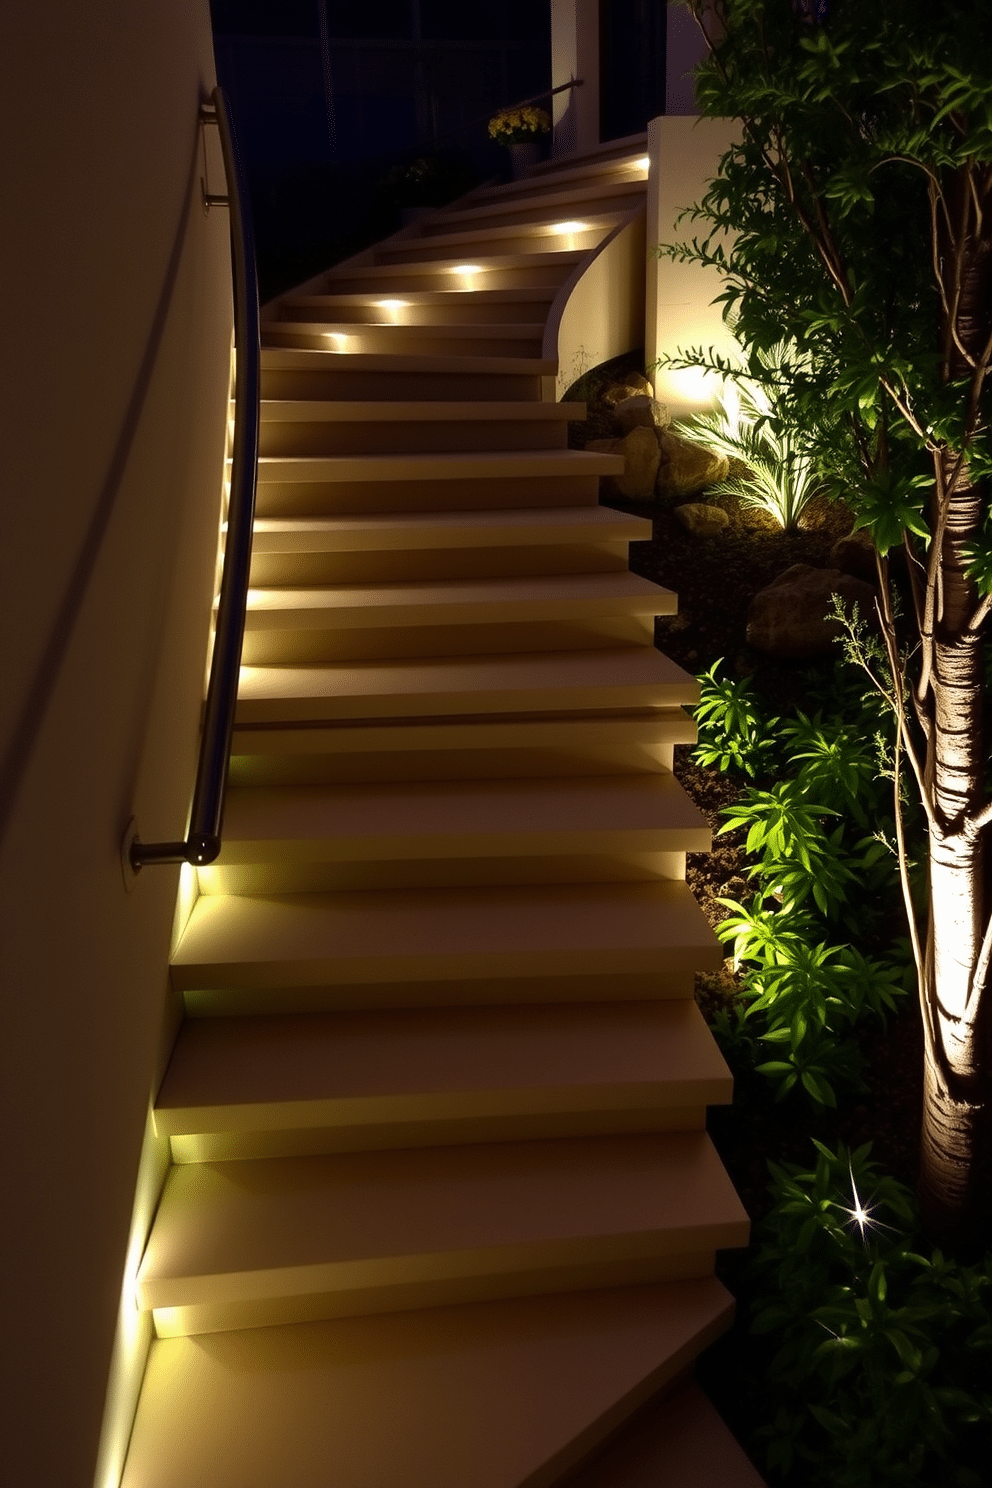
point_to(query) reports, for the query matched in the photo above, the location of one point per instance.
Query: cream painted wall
(117, 324)
(679, 313)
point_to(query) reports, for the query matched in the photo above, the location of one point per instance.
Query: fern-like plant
(751, 428)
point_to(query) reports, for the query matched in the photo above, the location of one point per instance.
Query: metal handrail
(203, 840)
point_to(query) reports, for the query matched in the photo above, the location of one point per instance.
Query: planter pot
(524, 157)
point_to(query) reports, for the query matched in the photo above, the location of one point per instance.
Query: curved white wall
(117, 324)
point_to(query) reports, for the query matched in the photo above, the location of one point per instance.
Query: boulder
(632, 385)
(791, 617)
(687, 468)
(640, 452)
(700, 519)
(641, 412)
(855, 554)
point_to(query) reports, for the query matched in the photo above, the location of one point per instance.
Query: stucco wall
(117, 323)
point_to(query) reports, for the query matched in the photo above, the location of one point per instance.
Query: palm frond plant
(752, 428)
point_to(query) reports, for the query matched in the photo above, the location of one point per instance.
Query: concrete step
(295, 1239)
(544, 269)
(434, 307)
(485, 339)
(322, 485)
(442, 545)
(568, 681)
(239, 1088)
(680, 1441)
(304, 373)
(635, 742)
(492, 1395)
(564, 235)
(543, 206)
(315, 427)
(294, 953)
(305, 839)
(293, 627)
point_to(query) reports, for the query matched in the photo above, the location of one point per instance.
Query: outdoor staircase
(443, 1211)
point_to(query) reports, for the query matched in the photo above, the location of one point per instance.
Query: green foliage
(751, 427)
(877, 1352)
(866, 130)
(820, 861)
(731, 734)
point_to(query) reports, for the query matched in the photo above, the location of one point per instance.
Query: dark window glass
(459, 20)
(631, 65)
(265, 17)
(374, 20)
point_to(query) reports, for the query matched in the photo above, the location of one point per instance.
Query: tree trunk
(955, 1001)
(955, 1099)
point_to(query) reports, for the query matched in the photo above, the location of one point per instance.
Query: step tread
(590, 190)
(524, 294)
(543, 682)
(345, 1221)
(451, 601)
(496, 1395)
(310, 359)
(443, 330)
(314, 410)
(452, 529)
(682, 1442)
(227, 1073)
(596, 222)
(571, 812)
(475, 465)
(420, 934)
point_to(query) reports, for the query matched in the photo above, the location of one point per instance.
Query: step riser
(471, 246)
(267, 877)
(400, 341)
(388, 281)
(211, 1001)
(485, 750)
(422, 565)
(310, 647)
(340, 498)
(511, 212)
(466, 309)
(298, 767)
(430, 437)
(345, 384)
(372, 1134)
(554, 1273)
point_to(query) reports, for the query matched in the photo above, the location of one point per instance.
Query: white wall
(117, 326)
(679, 313)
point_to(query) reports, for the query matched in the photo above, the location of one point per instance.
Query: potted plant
(522, 130)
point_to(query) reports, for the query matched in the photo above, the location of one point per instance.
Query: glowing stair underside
(443, 1211)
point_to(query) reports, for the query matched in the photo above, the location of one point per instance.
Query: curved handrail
(202, 843)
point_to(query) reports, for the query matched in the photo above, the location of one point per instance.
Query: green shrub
(876, 1353)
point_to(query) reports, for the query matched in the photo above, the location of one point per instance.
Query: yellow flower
(515, 126)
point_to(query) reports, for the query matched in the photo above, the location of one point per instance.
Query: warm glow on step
(338, 340)
(468, 274)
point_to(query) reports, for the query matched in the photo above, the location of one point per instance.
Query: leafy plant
(877, 1351)
(732, 734)
(751, 427)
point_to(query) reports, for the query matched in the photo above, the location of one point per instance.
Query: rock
(855, 554)
(641, 412)
(632, 386)
(790, 618)
(687, 468)
(640, 452)
(700, 519)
